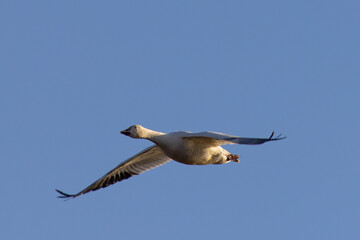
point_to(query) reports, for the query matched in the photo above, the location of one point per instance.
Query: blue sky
(75, 73)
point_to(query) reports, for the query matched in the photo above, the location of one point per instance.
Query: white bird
(185, 147)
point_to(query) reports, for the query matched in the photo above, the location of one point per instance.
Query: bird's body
(185, 147)
(179, 146)
(191, 151)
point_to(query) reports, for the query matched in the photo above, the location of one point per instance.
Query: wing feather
(147, 159)
(217, 139)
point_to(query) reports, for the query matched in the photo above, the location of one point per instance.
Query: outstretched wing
(149, 158)
(217, 139)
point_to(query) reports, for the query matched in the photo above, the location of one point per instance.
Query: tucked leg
(233, 157)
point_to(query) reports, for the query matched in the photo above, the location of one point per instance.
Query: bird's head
(135, 131)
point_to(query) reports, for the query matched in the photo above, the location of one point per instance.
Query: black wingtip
(272, 134)
(64, 195)
(278, 137)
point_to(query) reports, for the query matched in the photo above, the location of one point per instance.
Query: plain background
(75, 73)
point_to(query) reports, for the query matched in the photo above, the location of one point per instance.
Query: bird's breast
(188, 153)
(191, 151)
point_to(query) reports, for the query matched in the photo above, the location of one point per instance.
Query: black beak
(126, 132)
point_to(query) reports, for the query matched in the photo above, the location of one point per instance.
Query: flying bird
(185, 147)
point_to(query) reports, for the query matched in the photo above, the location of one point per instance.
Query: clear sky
(75, 73)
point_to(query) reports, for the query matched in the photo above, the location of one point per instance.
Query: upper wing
(149, 158)
(216, 139)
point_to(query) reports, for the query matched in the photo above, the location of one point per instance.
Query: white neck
(153, 135)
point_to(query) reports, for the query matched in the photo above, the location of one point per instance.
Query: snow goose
(185, 147)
